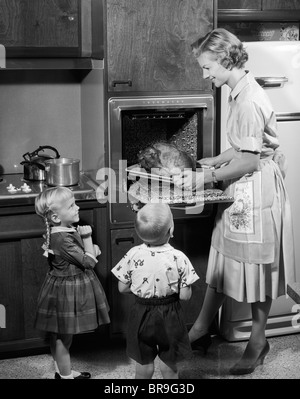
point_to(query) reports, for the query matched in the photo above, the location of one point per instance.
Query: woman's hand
(193, 180)
(190, 180)
(212, 162)
(220, 160)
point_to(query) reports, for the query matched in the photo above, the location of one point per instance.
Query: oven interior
(136, 123)
(180, 127)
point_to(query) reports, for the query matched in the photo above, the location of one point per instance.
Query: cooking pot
(34, 163)
(62, 172)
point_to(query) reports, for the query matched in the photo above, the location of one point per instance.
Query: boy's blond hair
(153, 223)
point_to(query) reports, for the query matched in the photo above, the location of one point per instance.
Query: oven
(137, 122)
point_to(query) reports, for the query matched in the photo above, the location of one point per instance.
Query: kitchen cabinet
(23, 268)
(259, 4)
(280, 5)
(148, 44)
(240, 4)
(57, 28)
(190, 236)
(258, 10)
(121, 241)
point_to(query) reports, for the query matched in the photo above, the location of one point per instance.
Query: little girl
(72, 299)
(158, 275)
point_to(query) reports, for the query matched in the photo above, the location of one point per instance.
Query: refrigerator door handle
(287, 116)
(271, 81)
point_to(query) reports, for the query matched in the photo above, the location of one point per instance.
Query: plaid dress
(71, 299)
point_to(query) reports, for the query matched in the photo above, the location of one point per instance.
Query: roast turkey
(165, 159)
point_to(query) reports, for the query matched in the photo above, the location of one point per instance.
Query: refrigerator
(276, 66)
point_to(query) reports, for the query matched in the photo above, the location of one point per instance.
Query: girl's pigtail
(46, 244)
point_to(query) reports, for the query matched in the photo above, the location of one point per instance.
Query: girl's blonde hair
(227, 48)
(153, 223)
(47, 203)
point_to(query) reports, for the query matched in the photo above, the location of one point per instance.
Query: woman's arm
(246, 162)
(219, 160)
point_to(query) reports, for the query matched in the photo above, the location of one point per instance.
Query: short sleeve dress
(71, 299)
(252, 252)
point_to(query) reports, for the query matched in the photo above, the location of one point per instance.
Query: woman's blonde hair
(47, 203)
(153, 223)
(227, 48)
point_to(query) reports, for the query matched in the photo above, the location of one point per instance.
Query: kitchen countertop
(85, 190)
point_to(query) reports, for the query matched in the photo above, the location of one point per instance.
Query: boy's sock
(75, 373)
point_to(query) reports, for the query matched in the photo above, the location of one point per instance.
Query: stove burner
(16, 186)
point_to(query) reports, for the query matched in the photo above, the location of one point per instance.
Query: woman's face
(212, 69)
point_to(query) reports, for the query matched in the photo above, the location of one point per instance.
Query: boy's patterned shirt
(155, 271)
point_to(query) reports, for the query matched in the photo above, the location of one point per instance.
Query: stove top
(14, 186)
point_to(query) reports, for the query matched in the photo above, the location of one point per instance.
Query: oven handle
(118, 109)
(124, 239)
(121, 82)
(287, 116)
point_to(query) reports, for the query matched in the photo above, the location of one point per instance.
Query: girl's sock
(74, 373)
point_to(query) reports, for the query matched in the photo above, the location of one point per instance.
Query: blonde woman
(252, 256)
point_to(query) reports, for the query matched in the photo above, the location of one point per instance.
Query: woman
(252, 256)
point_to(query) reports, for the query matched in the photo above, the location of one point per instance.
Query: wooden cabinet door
(121, 241)
(148, 44)
(239, 4)
(30, 28)
(281, 5)
(34, 270)
(11, 293)
(193, 238)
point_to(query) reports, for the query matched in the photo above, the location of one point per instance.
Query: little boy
(159, 276)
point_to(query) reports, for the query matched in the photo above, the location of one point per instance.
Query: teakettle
(34, 163)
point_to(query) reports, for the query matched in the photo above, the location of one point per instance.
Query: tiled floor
(111, 362)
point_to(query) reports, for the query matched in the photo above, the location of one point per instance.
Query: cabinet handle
(68, 17)
(121, 82)
(124, 239)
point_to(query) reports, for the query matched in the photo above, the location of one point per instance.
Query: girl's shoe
(240, 370)
(84, 375)
(202, 343)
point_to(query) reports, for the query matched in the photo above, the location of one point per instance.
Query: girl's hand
(97, 250)
(84, 231)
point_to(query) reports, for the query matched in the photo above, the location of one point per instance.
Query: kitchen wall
(61, 108)
(92, 122)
